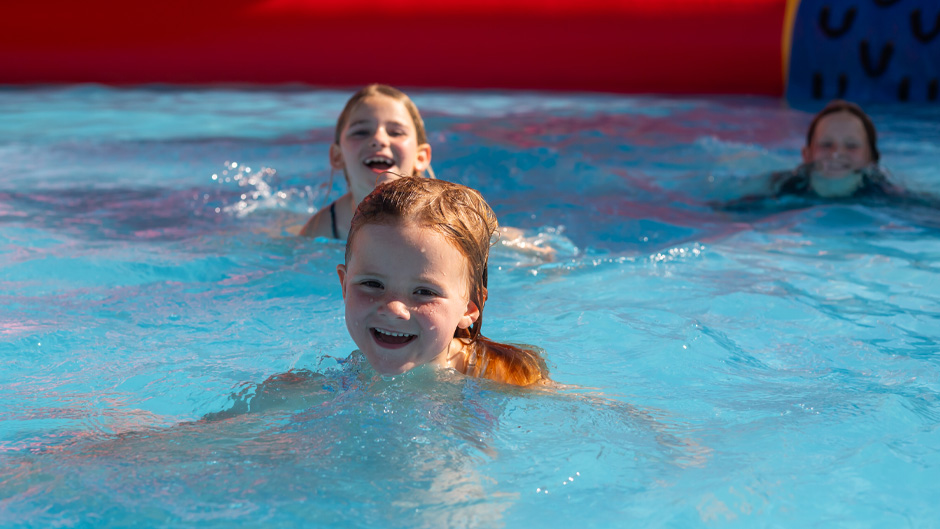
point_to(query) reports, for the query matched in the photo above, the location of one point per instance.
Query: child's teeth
(393, 333)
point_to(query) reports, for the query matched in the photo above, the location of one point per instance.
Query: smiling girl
(379, 134)
(414, 283)
(840, 158)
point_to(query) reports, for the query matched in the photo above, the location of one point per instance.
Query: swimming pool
(775, 369)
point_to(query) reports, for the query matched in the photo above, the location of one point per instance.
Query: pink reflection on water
(7, 211)
(529, 131)
(19, 327)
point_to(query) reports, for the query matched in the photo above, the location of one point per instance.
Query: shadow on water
(344, 447)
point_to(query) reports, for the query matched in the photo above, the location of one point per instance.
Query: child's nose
(396, 309)
(380, 138)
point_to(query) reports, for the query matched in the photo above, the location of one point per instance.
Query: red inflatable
(634, 46)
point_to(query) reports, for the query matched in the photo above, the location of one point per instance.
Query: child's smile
(391, 339)
(406, 291)
(379, 164)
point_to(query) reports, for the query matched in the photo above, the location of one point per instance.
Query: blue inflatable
(865, 50)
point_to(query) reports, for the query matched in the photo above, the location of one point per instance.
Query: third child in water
(414, 283)
(840, 158)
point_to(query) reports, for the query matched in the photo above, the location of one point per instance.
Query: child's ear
(336, 157)
(807, 155)
(423, 160)
(470, 317)
(341, 271)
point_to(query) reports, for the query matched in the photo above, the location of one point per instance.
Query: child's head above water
(841, 145)
(842, 131)
(415, 270)
(414, 282)
(379, 134)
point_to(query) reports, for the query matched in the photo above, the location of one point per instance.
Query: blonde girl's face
(839, 145)
(379, 136)
(406, 291)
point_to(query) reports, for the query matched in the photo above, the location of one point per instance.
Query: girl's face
(379, 136)
(406, 291)
(839, 145)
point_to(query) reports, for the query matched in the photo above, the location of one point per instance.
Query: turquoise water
(768, 369)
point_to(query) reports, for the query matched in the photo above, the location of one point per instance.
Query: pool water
(775, 368)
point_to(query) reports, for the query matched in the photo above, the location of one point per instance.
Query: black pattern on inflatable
(865, 51)
(917, 28)
(835, 33)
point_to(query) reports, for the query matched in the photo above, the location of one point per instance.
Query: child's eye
(356, 133)
(371, 283)
(426, 292)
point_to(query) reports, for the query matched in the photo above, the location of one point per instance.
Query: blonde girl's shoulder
(318, 225)
(332, 221)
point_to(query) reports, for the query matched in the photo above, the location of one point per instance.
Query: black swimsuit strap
(333, 220)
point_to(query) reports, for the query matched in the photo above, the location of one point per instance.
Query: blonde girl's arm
(516, 239)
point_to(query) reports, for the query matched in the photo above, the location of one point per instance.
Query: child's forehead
(840, 125)
(406, 231)
(378, 104)
(842, 118)
(407, 250)
(384, 228)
